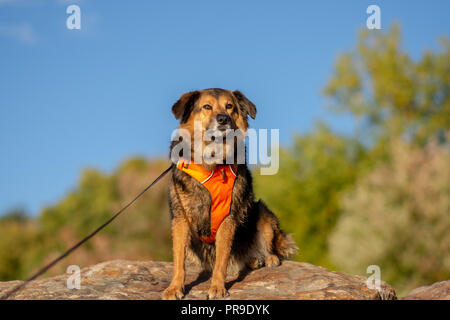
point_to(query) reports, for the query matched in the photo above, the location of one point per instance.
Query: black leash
(65, 254)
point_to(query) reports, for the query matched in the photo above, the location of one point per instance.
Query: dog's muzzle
(223, 121)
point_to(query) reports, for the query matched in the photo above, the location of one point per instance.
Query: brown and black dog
(249, 234)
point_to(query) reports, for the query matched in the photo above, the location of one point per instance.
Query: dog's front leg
(180, 236)
(224, 240)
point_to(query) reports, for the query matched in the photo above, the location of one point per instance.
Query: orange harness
(220, 183)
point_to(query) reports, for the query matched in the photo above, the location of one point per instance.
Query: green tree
(17, 233)
(397, 214)
(390, 93)
(142, 233)
(398, 217)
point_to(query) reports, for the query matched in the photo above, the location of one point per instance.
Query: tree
(398, 217)
(389, 92)
(143, 233)
(17, 232)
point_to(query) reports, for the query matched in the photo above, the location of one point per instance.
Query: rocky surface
(121, 279)
(437, 291)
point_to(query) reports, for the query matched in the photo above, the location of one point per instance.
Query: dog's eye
(207, 107)
(229, 106)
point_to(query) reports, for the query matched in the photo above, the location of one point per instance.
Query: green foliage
(86, 206)
(395, 98)
(388, 221)
(17, 232)
(142, 233)
(398, 217)
(382, 86)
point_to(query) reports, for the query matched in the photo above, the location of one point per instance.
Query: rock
(120, 279)
(437, 291)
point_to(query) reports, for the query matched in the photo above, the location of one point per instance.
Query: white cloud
(24, 33)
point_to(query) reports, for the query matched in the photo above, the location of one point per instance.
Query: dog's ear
(183, 107)
(247, 107)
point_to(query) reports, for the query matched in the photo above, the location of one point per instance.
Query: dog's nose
(223, 118)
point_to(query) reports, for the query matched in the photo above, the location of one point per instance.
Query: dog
(215, 220)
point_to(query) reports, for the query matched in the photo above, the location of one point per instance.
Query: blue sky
(71, 99)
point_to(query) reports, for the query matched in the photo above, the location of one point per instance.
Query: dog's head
(215, 109)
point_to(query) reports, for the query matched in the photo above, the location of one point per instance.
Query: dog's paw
(272, 261)
(217, 292)
(173, 293)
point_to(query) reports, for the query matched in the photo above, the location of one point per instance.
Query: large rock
(437, 291)
(121, 279)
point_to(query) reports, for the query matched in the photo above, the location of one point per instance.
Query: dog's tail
(285, 245)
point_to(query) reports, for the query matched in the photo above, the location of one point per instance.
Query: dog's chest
(218, 186)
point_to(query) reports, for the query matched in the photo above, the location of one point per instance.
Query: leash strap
(65, 254)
